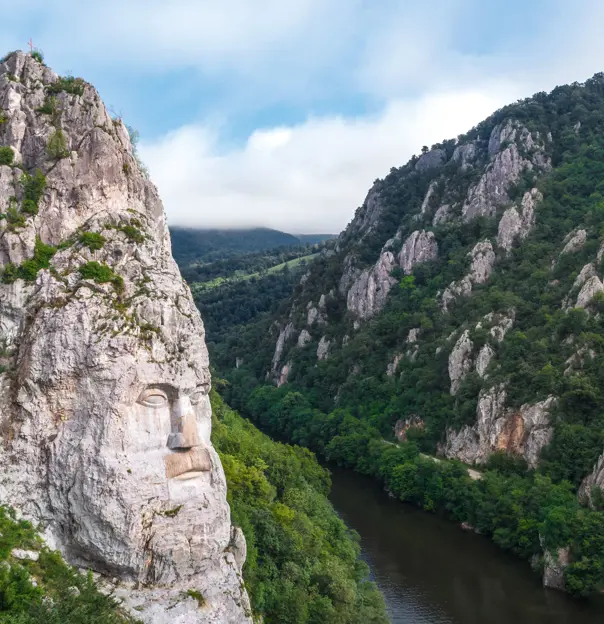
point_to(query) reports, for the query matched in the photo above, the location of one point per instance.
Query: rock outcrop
(431, 160)
(285, 334)
(105, 417)
(524, 431)
(590, 289)
(481, 268)
(420, 246)
(575, 241)
(402, 426)
(460, 361)
(323, 348)
(517, 225)
(595, 480)
(369, 292)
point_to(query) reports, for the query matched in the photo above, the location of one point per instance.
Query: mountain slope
(461, 309)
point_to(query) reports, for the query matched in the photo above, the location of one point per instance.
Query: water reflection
(431, 572)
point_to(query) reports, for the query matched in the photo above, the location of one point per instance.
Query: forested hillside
(460, 315)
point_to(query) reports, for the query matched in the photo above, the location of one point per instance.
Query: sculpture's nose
(184, 425)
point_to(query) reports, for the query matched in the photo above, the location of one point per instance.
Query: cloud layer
(283, 113)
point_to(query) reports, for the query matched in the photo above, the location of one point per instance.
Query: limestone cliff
(105, 417)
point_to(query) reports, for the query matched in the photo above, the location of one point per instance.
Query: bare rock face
(554, 565)
(431, 160)
(590, 289)
(465, 155)
(593, 481)
(460, 360)
(483, 359)
(575, 241)
(105, 418)
(393, 365)
(323, 348)
(420, 246)
(429, 194)
(368, 294)
(284, 374)
(483, 260)
(517, 225)
(520, 432)
(304, 338)
(442, 215)
(507, 165)
(285, 335)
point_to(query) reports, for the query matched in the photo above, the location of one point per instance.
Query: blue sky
(283, 113)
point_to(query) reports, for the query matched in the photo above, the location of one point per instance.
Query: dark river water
(432, 572)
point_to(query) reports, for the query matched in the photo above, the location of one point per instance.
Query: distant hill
(191, 245)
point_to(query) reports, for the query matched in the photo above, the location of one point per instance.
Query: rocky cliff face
(105, 417)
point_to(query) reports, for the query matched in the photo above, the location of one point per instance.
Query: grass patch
(38, 55)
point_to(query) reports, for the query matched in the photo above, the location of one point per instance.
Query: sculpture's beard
(187, 464)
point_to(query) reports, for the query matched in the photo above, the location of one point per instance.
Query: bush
(49, 107)
(101, 274)
(6, 156)
(67, 84)
(132, 233)
(33, 189)
(57, 145)
(93, 240)
(3, 117)
(28, 270)
(38, 55)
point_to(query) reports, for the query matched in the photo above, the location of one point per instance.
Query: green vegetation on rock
(38, 587)
(28, 269)
(101, 274)
(6, 156)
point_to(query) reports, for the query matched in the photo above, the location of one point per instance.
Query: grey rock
(463, 288)
(25, 555)
(485, 355)
(590, 289)
(323, 348)
(284, 374)
(514, 224)
(413, 335)
(460, 361)
(368, 294)
(304, 338)
(575, 241)
(429, 194)
(107, 380)
(520, 432)
(393, 365)
(420, 246)
(442, 215)
(284, 336)
(500, 134)
(554, 565)
(465, 155)
(594, 481)
(483, 259)
(431, 160)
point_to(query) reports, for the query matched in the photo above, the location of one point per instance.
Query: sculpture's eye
(153, 397)
(196, 396)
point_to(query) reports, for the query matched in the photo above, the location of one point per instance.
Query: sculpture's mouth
(187, 464)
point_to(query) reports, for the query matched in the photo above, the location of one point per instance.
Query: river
(432, 572)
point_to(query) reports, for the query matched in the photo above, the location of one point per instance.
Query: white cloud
(305, 178)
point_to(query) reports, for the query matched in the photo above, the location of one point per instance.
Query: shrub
(33, 189)
(28, 270)
(57, 145)
(102, 274)
(67, 84)
(133, 234)
(49, 107)
(3, 117)
(6, 156)
(93, 240)
(38, 55)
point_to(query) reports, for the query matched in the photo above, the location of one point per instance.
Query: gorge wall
(105, 418)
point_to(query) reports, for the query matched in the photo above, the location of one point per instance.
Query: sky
(282, 113)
